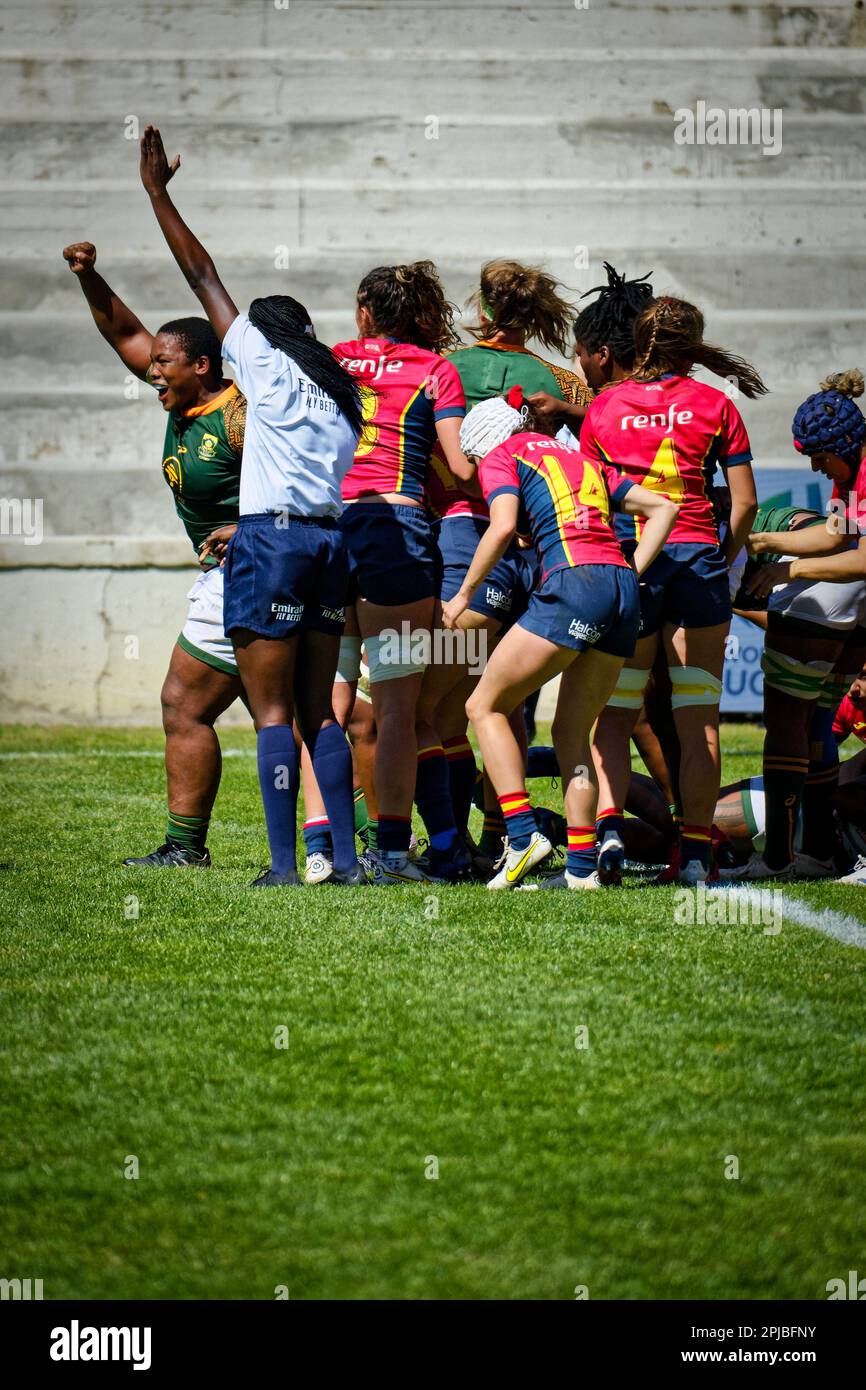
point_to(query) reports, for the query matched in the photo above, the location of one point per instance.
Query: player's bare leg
(194, 695)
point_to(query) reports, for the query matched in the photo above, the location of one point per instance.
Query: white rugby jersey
(298, 445)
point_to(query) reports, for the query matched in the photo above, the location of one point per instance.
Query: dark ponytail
(287, 326)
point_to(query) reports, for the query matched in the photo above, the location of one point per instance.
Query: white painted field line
(849, 930)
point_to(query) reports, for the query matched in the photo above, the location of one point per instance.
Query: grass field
(423, 1028)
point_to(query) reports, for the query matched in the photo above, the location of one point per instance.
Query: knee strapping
(801, 679)
(349, 662)
(629, 689)
(394, 656)
(691, 685)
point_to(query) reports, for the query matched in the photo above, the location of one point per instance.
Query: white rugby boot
(515, 864)
(317, 868)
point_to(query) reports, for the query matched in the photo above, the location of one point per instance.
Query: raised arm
(116, 322)
(196, 265)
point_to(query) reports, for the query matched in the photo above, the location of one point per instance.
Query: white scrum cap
(490, 423)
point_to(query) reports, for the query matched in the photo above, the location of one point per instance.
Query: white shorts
(203, 636)
(841, 607)
(755, 812)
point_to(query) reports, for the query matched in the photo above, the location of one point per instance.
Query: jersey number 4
(591, 492)
(664, 476)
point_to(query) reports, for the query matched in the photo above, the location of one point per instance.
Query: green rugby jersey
(769, 518)
(491, 369)
(202, 462)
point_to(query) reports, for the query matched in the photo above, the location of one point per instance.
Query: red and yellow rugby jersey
(668, 435)
(567, 499)
(853, 495)
(405, 390)
(445, 496)
(850, 719)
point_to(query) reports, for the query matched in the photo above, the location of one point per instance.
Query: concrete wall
(305, 131)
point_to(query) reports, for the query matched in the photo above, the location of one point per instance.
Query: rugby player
(814, 639)
(666, 431)
(201, 463)
(581, 623)
(824, 575)
(412, 400)
(515, 304)
(285, 569)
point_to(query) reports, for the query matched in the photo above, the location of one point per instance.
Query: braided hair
(830, 422)
(609, 321)
(669, 337)
(287, 326)
(407, 303)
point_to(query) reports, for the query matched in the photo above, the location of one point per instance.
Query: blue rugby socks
(519, 820)
(580, 855)
(332, 765)
(461, 778)
(279, 777)
(433, 796)
(317, 836)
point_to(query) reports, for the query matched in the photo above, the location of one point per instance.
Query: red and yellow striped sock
(580, 855)
(696, 842)
(518, 817)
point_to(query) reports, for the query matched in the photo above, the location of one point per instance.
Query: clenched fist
(81, 256)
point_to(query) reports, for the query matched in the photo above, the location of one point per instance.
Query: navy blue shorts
(283, 573)
(687, 585)
(505, 593)
(590, 606)
(393, 559)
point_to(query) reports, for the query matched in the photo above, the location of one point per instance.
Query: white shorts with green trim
(203, 636)
(840, 607)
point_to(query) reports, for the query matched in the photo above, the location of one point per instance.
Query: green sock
(784, 779)
(373, 835)
(190, 832)
(362, 820)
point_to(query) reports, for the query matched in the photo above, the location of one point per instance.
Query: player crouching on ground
(581, 622)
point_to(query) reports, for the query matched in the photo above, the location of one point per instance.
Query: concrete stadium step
(546, 24)
(122, 503)
(65, 157)
(443, 217)
(575, 84)
(150, 281)
(55, 350)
